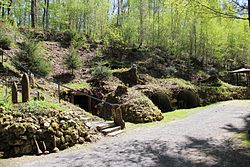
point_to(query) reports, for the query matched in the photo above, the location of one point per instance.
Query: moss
(180, 83)
(38, 107)
(78, 85)
(141, 109)
(120, 70)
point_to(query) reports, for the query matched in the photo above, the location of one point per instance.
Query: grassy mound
(213, 94)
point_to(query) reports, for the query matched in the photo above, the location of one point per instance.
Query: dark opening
(86, 103)
(187, 99)
(83, 102)
(161, 100)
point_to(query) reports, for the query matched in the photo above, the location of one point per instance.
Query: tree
(31, 58)
(72, 61)
(33, 13)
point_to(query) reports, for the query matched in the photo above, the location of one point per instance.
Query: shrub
(72, 61)
(5, 42)
(101, 72)
(31, 58)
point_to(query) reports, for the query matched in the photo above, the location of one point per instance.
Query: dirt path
(203, 139)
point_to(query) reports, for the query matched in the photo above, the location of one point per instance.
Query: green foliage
(114, 38)
(40, 107)
(101, 72)
(5, 101)
(5, 42)
(31, 57)
(72, 61)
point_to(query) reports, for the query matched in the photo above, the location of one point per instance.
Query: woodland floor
(206, 138)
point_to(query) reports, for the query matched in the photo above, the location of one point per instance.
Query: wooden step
(105, 125)
(115, 133)
(110, 130)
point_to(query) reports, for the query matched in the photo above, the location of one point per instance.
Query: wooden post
(237, 75)
(1, 53)
(59, 94)
(117, 116)
(25, 88)
(14, 93)
(89, 104)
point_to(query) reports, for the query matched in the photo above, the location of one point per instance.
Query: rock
(59, 133)
(62, 139)
(129, 77)
(18, 129)
(121, 90)
(88, 138)
(72, 123)
(67, 138)
(31, 128)
(16, 142)
(27, 148)
(46, 125)
(17, 150)
(81, 140)
(55, 125)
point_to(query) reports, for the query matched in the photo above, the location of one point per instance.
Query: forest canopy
(215, 30)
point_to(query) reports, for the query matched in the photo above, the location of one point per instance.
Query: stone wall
(17, 132)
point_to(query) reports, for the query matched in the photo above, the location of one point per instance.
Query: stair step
(110, 130)
(105, 125)
(115, 133)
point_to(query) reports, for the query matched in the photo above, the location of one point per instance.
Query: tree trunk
(141, 29)
(3, 11)
(33, 13)
(249, 12)
(47, 15)
(44, 12)
(118, 13)
(9, 7)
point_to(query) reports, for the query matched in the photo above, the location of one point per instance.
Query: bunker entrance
(86, 103)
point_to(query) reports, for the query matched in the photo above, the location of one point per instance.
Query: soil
(204, 139)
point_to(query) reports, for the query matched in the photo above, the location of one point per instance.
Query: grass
(180, 82)
(78, 85)
(168, 117)
(245, 142)
(37, 107)
(120, 70)
(10, 66)
(5, 100)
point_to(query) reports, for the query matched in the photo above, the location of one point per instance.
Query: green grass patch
(245, 142)
(120, 70)
(78, 85)
(168, 117)
(38, 107)
(10, 66)
(180, 82)
(5, 99)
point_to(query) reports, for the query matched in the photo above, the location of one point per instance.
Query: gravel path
(202, 139)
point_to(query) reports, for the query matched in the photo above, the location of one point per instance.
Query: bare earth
(204, 139)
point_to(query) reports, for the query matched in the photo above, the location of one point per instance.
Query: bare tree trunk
(44, 12)
(9, 7)
(3, 11)
(33, 14)
(118, 13)
(47, 15)
(249, 12)
(141, 31)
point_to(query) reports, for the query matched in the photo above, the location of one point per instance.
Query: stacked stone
(17, 132)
